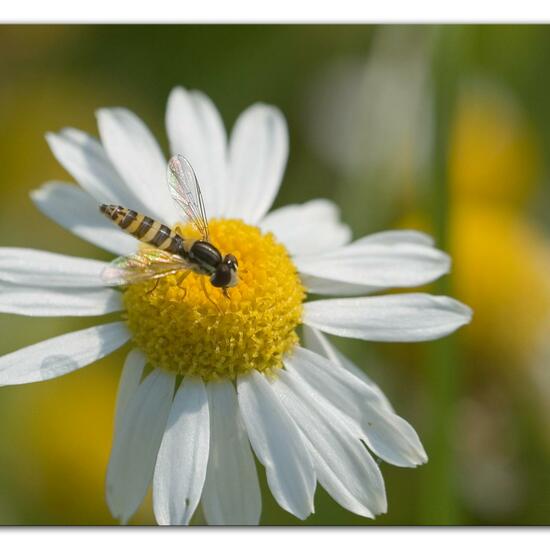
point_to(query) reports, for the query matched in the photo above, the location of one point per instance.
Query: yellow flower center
(183, 330)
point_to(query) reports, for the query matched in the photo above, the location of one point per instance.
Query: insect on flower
(172, 253)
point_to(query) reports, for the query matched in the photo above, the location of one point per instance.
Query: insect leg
(203, 284)
(154, 287)
(181, 279)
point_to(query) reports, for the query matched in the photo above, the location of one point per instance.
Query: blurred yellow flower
(70, 450)
(494, 156)
(502, 257)
(502, 266)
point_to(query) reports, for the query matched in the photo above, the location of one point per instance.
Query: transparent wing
(149, 263)
(186, 192)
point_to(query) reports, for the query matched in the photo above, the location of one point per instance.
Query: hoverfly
(170, 253)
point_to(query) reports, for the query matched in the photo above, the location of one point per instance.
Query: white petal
(84, 158)
(388, 435)
(137, 439)
(378, 265)
(278, 445)
(137, 157)
(330, 287)
(181, 463)
(76, 211)
(320, 282)
(258, 152)
(62, 354)
(57, 302)
(231, 494)
(130, 379)
(308, 228)
(24, 266)
(196, 131)
(397, 236)
(317, 342)
(393, 318)
(344, 466)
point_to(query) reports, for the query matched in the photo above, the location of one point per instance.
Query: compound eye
(231, 260)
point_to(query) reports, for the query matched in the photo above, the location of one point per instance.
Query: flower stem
(439, 503)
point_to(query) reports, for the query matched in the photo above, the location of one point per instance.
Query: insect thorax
(205, 255)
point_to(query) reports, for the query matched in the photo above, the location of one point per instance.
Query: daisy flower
(209, 383)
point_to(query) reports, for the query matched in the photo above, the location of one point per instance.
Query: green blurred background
(445, 129)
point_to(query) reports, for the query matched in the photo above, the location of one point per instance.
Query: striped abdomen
(145, 229)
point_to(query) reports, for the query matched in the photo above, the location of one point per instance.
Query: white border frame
(281, 11)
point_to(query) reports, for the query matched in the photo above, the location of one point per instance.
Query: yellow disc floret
(182, 329)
